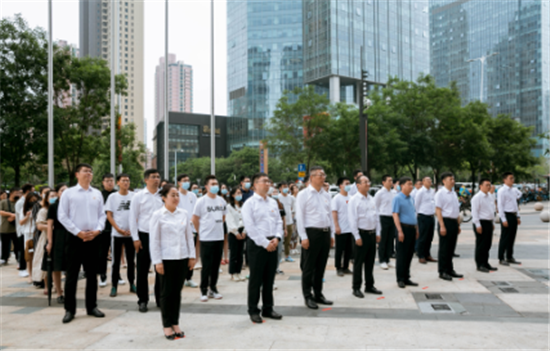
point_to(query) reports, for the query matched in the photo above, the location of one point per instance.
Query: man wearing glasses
(316, 230)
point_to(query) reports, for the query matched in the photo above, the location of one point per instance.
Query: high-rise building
(392, 35)
(95, 41)
(512, 38)
(180, 87)
(264, 58)
(69, 97)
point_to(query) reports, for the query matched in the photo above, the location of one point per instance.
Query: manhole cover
(434, 297)
(441, 307)
(502, 283)
(509, 290)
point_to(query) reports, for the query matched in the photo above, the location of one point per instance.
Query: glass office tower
(514, 36)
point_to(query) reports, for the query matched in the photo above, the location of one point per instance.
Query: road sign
(301, 171)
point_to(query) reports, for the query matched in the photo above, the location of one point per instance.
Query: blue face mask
(247, 185)
(196, 191)
(53, 200)
(224, 191)
(214, 189)
(347, 188)
(275, 196)
(238, 197)
(285, 191)
(398, 188)
(185, 185)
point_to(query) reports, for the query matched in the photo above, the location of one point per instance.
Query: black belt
(451, 219)
(511, 213)
(367, 231)
(408, 225)
(425, 215)
(326, 229)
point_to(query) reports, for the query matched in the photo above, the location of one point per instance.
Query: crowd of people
(177, 228)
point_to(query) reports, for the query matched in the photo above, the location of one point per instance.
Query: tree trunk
(17, 170)
(473, 180)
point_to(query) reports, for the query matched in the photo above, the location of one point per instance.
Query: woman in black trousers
(237, 234)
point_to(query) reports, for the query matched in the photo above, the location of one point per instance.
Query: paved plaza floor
(507, 309)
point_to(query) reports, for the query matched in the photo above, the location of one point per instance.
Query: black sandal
(180, 335)
(170, 337)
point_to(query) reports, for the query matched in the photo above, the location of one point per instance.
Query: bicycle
(466, 208)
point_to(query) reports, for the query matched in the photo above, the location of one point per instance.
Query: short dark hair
(258, 176)
(281, 184)
(42, 188)
(315, 168)
(59, 186)
(418, 180)
(122, 175)
(306, 179)
(397, 181)
(108, 176)
(506, 175)
(356, 172)
(164, 180)
(166, 189)
(242, 178)
(181, 176)
(14, 188)
(150, 171)
(341, 180)
(483, 180)
(405, 179)
(27, 187)
(385, 177)
(82, 165)
(209, 178)
(445, 175)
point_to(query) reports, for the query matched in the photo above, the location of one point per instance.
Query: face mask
(185, 185)
(285, 191)
(224, 191)
(247, 185)
(196, 191)
(52, 200)
(238, 197)
(347, 188)
(200, 195)
(275, 196)
(214, 189)
(398, 188)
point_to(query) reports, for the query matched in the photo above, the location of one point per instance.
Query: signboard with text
(301, 171)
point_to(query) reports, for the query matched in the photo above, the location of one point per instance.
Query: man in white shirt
(142, 207)
(353, 189)
(342, 229)
(289, 204)
(264, 225)
(425, 209)
(82, 214)
(417, 187)
(483, 214)
(383, 200)
(118, 214)
(365, 227)
(447, 210)
(316, 229)
(510, 219)
(208, 218)
(19, 246)
(188, 200)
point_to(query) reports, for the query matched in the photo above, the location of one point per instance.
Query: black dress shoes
(401, 284)
(68, 317)
(170, 337)
(483, 269)
(513, 261)
(310, 303)
(456, 275)
(255, 318)
(323, 301)
(347, 271)
(96, 313)
(431, 259)
(373, 290)
(358, 293)
(272, 315)
(143, 307)
(410, 283)
(180, 335)
(340, 273)
(491, 268)
(504, 263)
(445, 276)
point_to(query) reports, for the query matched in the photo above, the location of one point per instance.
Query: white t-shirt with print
(211, 212)
(119, 205)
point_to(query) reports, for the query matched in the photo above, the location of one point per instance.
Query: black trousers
(171, 284)
(190, 271)
(211, 257)
(104, 244)
(447, 245)
(21, 250)
(315, 261)
(143, 265)
(508, 237)
(426, 226)
(387, 236)
(344, 245)
(85, 254)
(364, 259)
(128, 245)
(7, 240)
(483, 243)
(236, 257)
(263, 265)
(404, 254)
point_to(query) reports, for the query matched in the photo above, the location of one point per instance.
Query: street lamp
(482, 60)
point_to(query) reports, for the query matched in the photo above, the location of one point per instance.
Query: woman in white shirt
(28, 226)
(172, 253)
(42, 225)
(237, 234)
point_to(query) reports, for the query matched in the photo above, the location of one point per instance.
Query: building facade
(95, 41)
(69, 97)
(513, 39)
(180, 87)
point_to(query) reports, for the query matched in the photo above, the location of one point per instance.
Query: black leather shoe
(373, 290)
(272, 315)
(491, 268)
(170, 337)
(483, 269)
(96, 313)
(310, 303)
(504, 263)
(323, 301)
(410, 283)
(255, 318)
(68, 317)
(445, 276)
(513, 261)
(347, 271)
(431, 259)
(358, 293)
(401, 284)
(456, 255)
(180, 335)
(456, 275)
(340, 273)
(143, 307)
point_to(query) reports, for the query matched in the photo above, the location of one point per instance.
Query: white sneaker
(23, 274)
(241, 278)
(391, 265)
(2, 261)
(198, 266)
(234, 278)
(102, 283)
(191, 284)
(121, 282)
(384, 265)
(274, 286)
(204, 298)
(214, 295)
(221, 270)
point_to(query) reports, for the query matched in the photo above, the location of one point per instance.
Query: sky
(188, 38)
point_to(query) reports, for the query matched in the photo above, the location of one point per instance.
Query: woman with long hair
(28, 225)
(38, 275)
(56, 247)
(237, 234)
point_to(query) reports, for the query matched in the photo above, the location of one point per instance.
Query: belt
(511, 213)
(407, 225)
(451, 219)
(326, 229)
(425, 215)
(367, 231)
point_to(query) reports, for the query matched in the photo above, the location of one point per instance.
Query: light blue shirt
(404, 207)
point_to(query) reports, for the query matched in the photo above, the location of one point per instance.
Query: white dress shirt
(18, 209)
(352, 190)
(413, 193)
(424, 201)
(483, 208)
(81, 210)
(289, 203)
(447, 201)
(362, 214)
(187, 203)
(262, 219)
(313, 211)
(383, 200)
(170, 236)
(27, 229)
(234, 219)
(339, 204)
(507, 200)
(142, 207)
